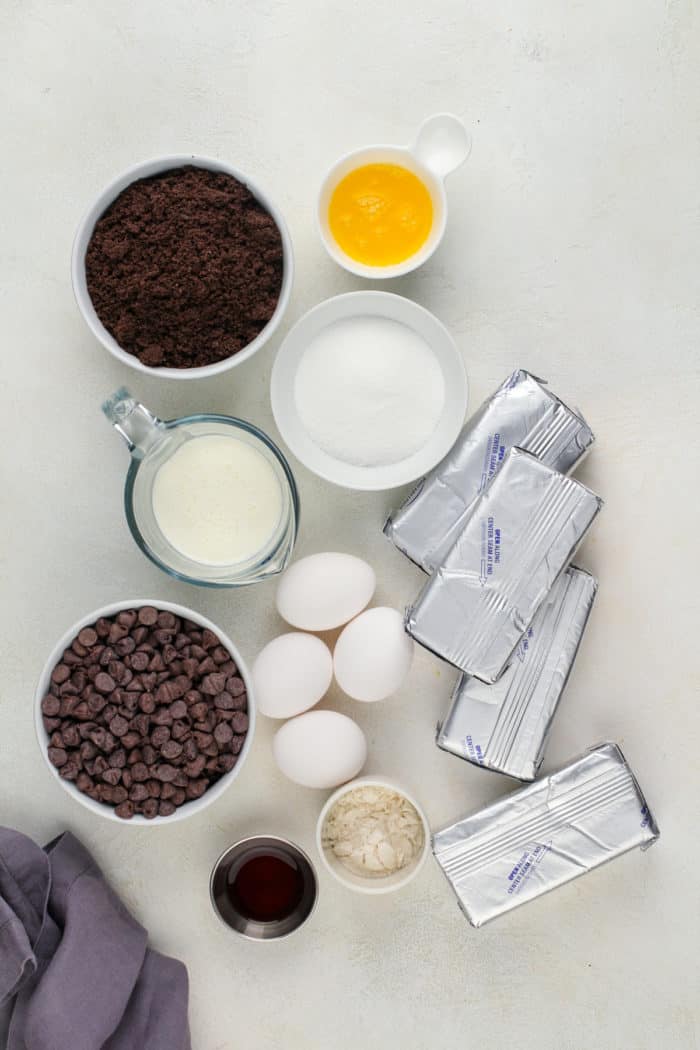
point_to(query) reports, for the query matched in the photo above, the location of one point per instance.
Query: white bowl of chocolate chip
(144, 712)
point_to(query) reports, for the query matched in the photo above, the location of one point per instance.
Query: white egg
(320, 749)
(291, 674)
(373, 655)
(325, 590)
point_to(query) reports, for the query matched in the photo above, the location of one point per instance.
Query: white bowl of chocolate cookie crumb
(144, 712)
(372, 835)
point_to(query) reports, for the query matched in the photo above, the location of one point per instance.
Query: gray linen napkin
(75, 969)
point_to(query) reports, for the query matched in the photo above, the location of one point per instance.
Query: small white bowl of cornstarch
(372, 835)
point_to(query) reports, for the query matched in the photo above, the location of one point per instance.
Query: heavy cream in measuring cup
(217, 500)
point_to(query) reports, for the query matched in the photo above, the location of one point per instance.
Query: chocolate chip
(139, 772)
(116, 632)
(99, 765)
(118, 758)
(125, 810)
(119, 726)
(196, 788)
(194, 768)
(235, 685)
(104, 682)
(166, 808)
(57, 756)
(209, 639)
(71, 737)
(50, 705)
(97, 703)
(88, 637)
(112, 776)
(240, 722)
(178, 709)
(159, 736)
(147, 703)
(179, 731)
(162, 717)
(147, 615)
(149, 754)
(223, 734)
(171, 749)
(138, 793)
(166, 773)
(139, 661)
(69, 770)
(60, 673)
(102, 627)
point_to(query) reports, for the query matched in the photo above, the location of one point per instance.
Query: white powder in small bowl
(369, 391)
(373, 831)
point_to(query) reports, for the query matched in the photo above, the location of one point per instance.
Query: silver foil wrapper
(520, 535)
(545, 834)
(522, 413)
(505, 726)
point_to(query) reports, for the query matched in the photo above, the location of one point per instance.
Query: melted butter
(380, 214)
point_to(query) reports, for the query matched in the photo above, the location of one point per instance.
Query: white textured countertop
(573, 249)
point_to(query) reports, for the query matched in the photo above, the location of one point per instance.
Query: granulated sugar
(369, 391)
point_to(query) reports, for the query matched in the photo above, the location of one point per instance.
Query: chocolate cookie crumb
(184, 268)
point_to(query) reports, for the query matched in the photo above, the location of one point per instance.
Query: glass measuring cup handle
(139, 428)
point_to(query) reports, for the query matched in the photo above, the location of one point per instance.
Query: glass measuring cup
(152, 442)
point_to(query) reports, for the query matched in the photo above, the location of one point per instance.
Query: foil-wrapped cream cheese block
(521, 534)
(545, 834)
(522, 413)
(505, 726)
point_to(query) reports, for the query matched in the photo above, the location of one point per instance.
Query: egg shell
(325, 590)
(373, 655)
(320, 749)
(291, 674)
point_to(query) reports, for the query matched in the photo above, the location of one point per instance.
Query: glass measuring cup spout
(209, 498)
(139, 428)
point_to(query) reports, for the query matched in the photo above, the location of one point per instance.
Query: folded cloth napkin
(75, 969)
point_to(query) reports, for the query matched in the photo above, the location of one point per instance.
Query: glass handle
(139, 428)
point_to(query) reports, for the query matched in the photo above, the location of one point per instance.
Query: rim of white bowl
(435, 186)
(329, 467)
(143, 170)
(374, 886)
(187, 809)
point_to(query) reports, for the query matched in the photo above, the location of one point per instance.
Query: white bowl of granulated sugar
(369, 390)
(372, 835)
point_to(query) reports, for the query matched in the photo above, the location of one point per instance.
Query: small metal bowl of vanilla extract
(263, 887)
